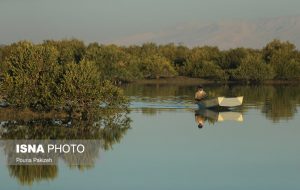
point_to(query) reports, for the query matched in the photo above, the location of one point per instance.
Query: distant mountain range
(224, 34)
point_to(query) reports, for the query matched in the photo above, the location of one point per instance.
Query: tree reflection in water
(27, 175)
(106, 128)
(276, 102)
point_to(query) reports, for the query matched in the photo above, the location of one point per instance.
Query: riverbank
(12, 114)
(183, 80)
(179, 80)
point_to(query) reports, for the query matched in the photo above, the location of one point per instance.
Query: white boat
(221, 102)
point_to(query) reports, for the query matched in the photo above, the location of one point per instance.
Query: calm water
(256, 147)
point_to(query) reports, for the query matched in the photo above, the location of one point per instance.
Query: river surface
(256, 146)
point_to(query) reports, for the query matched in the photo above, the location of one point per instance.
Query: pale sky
(109, 20)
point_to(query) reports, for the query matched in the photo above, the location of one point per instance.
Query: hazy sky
(110, 20)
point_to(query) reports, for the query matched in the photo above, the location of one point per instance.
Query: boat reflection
(212, 116)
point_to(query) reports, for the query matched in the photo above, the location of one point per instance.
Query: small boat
(221, 102)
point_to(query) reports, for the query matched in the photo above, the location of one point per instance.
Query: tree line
(277, 60)
(69, 73)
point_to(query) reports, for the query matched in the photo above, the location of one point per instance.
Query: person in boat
(200, 94)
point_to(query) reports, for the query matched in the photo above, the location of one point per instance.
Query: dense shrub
(232, 58)
(205, 53)
(155, 66)
(69, 50)
(253, 69)
(289, 70)
(284, 58)
(205, 69)
(113, 62)
(30, 76)
(33, 78)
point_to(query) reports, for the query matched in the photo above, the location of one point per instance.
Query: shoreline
(10, 113)
(183, 80)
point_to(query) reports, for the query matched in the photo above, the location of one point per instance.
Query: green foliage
(291, 70)
(1, 61)
(205, 53)
(284, 58)
(205, 69)
(34, 79)
(80, 86)
(253, 69)
(169, 51)
(145, 50)
(31, 75)
(69, 50)
(203, 62)
(113, 62)
(278, 47)
(1, 53)
(232, 58)
(155, 66)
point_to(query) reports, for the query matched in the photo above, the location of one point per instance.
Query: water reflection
(27, 175)
(276, 102)
(170, 104)
(106, 128)
(212, 116)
